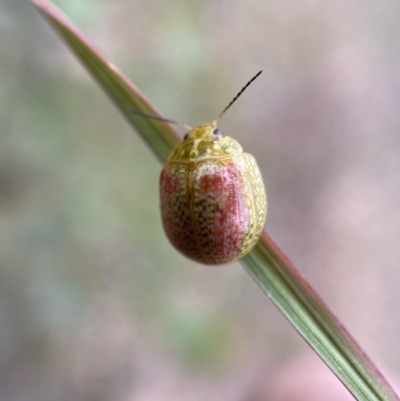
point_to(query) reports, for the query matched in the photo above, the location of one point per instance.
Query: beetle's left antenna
(167, 120)
(214, 124)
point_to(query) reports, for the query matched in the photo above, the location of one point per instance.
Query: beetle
(212, 195)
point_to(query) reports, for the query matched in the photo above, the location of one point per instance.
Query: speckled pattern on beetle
(213, 200)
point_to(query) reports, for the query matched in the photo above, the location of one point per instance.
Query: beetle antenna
(167, 120)
(214, 124)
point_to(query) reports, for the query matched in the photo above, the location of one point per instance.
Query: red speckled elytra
(213, 200)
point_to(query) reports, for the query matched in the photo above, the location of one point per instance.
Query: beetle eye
(217, 132)
(186, 136)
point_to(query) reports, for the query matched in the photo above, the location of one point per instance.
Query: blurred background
(95, 304)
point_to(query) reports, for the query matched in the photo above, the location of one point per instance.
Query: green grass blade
(305, 310)
(266, 263)
(160, 136)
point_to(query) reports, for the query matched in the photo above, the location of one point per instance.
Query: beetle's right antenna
(167, 120)
(214, 124)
